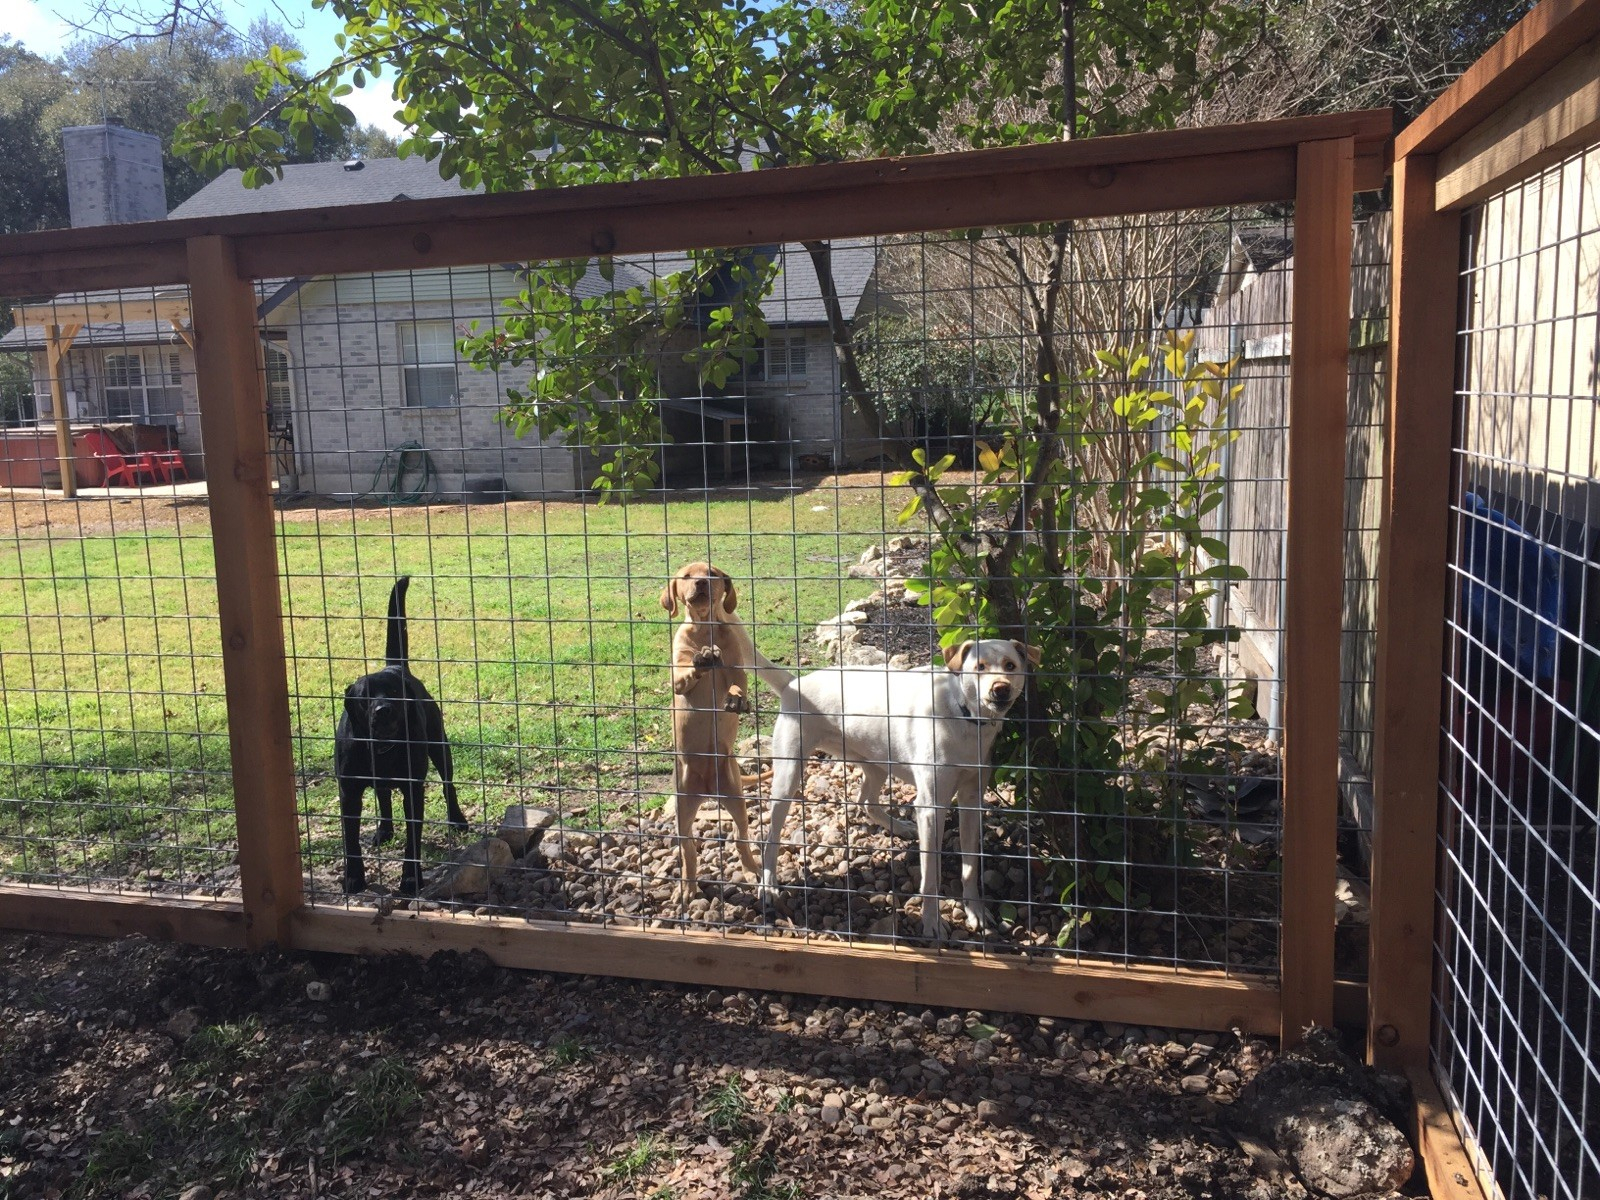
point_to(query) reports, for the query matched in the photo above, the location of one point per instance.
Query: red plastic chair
(169, 465)
(117, 465)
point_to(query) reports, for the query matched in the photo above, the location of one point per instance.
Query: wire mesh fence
(1517, 1009)
(860, 434)
(116, 766)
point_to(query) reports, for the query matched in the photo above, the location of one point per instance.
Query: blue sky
(45, 27)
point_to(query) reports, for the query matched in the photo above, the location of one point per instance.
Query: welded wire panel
(540, 448)
(890, 446)
(1517, 1023)
(115, 754)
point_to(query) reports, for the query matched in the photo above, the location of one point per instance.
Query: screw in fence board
(1412, 585)
(1318, 382)
(231, 383)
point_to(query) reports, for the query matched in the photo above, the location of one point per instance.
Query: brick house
(358, 367)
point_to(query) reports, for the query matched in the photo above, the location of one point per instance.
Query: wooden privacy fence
(1316, 163)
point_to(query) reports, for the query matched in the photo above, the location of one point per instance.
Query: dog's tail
(397, 647)
(771, 674)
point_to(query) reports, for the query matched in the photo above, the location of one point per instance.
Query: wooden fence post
(1412, 585)
(1313, 591)
(233, 428)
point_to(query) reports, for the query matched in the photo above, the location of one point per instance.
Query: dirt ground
(144, 1070)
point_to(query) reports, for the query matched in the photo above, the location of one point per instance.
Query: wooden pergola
(63, 319)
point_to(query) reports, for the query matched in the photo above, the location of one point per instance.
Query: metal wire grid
(115, 766)
(537, 623)
(1517, 1009)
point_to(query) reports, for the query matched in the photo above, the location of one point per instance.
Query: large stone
(522, 826)
(1344, 1147)
(856, 653)
(473, 872)
(837, 628)
(753, 752)
(1331, 1118)
(993, 1112)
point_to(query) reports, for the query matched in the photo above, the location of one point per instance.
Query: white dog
(932, 726)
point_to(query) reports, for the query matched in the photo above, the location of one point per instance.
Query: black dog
(389, 730)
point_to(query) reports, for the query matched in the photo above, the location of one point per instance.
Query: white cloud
(373, 105)
(34, 25)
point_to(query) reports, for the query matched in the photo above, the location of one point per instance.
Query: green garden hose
(389, 480)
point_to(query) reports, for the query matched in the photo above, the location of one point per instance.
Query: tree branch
(856, 387)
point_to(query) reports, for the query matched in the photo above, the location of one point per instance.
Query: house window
(782, 356)
(280, 393)
(428, 364)
(144, 385)
(127, 394)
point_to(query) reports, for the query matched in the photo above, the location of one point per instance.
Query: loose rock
(1325, 1114)
(522, 825)
(472, 874)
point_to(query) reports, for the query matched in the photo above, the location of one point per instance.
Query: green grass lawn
(538, 628)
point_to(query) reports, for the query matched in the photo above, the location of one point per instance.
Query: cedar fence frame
(1530, 101)
(1534, 97)
(1316, 162)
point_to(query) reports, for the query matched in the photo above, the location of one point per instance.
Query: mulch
(142, 1070)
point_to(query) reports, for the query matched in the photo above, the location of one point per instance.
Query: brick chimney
(113, 175)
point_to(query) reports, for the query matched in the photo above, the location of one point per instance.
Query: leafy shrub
(934, 387)
(1117, 605)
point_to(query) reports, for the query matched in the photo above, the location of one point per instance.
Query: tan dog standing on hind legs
(710, 688)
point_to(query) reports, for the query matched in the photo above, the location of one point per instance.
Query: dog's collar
(966, 712)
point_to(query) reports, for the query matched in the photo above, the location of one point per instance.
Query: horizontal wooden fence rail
(83, 914)
(1317, 162)
(1135, 173)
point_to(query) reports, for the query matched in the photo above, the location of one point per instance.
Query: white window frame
(279, 383)
(777, 355)
(423, 358)
(141, 389)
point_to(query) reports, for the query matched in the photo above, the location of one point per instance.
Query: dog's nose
(1001, 692)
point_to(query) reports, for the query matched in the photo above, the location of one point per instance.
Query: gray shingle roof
(796, 297)
(320, 185)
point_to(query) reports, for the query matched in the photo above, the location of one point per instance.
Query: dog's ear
(730, 594)
(669, 596)
(954, 656)
(355, 707)
(1032, 653)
